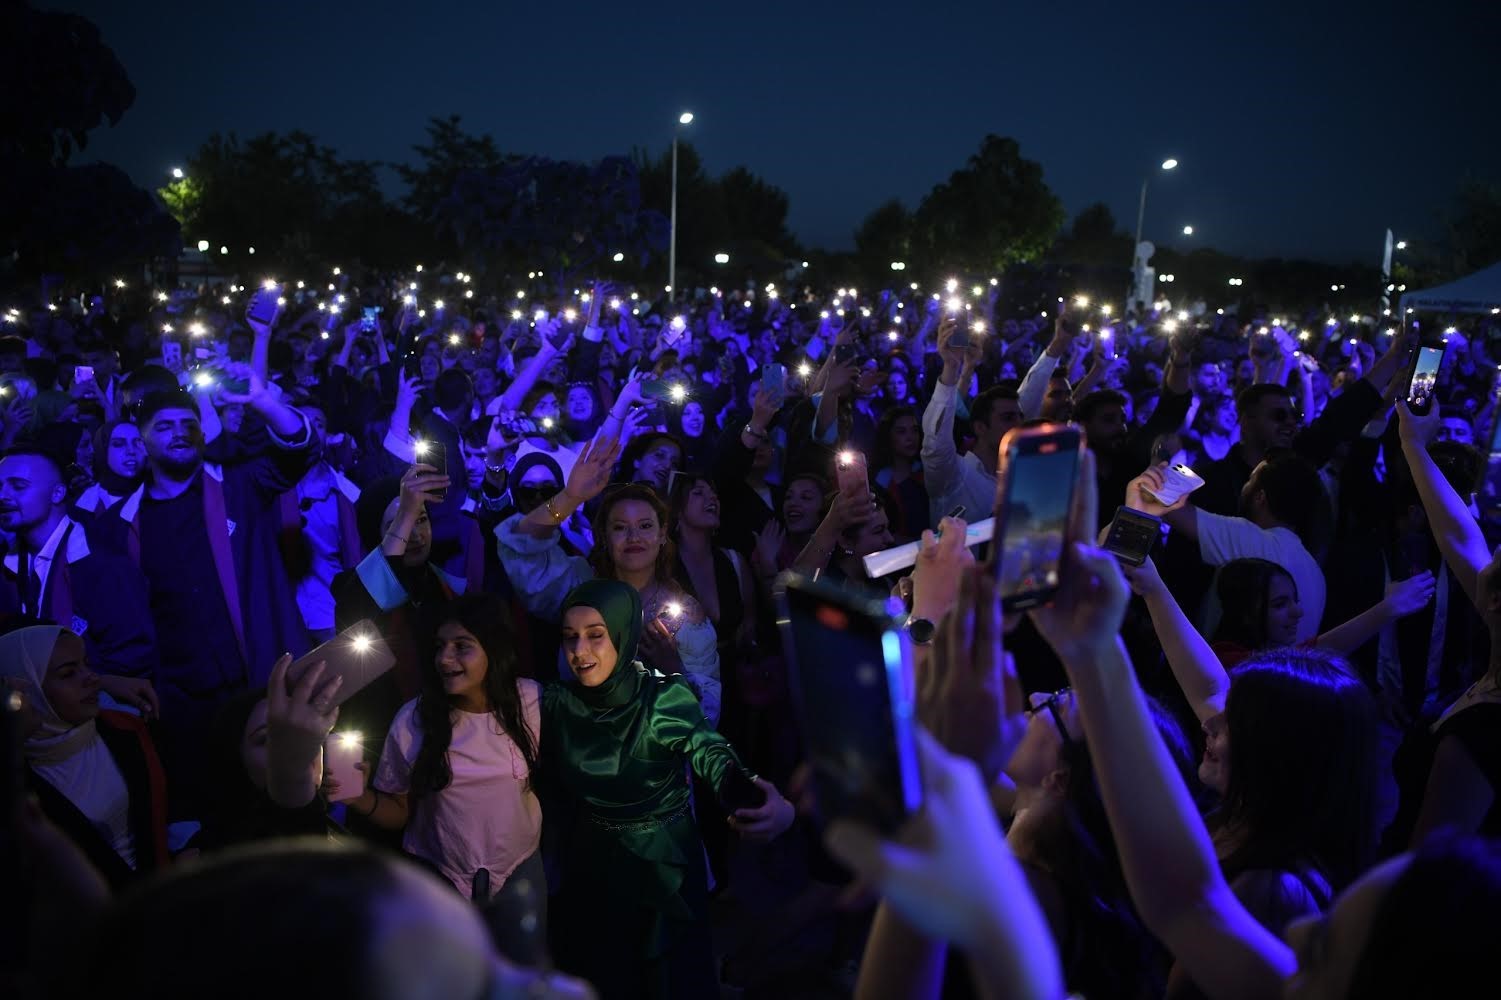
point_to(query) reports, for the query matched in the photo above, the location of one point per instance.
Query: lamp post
(672, 234)
(1141, 215)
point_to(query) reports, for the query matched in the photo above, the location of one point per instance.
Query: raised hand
(766, 821)
(591, 472)
(769, 541)
(1405, 597)
(420, 485)
(1150, 481)
(942, 561)
(1417, 429)
(968, 695)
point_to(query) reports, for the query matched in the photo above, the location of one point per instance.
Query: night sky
(1303, 129)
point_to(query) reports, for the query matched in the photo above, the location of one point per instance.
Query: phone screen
(1424, 379)
(847, 674)
(359, 654)
(1041, 472)
(1132, 535)
(774, 380)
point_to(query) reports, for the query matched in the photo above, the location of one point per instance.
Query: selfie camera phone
(1177, 481)
(434, 453)
(1133, 534)
(1034, 496)
(262, 307)
(1424, 381)
(359, 654)
(850, 681)
(83, 373)
(853, 476)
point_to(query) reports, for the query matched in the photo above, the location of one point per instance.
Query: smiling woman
(619, 738)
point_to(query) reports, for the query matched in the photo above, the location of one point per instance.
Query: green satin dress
(632, 913)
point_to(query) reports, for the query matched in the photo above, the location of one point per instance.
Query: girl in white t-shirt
(456, 771)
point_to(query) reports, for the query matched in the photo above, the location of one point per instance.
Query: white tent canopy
(1474, 293)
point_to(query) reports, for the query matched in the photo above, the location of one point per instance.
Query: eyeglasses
(1050, 704)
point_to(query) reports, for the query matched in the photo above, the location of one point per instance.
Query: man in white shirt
(1278, 509)
(952, 479)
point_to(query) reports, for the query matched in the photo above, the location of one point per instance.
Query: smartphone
(845, 353)
(262, 307)
(853, 477)
(739, 792)
(1034, 496)
(434, 453)
(1178, 481)
(662, 389)
(359, 654)
(1420, 388)
(83, 373)
(369, 318)
(172, 354)
(341, 752)
(850, 672)
(774, 380)
(1133, 535)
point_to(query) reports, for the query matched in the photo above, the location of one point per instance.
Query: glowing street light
(1188, 230)
(672, 233)
(177, 173)
(1141, 215)
(898, 265)
(203, 246)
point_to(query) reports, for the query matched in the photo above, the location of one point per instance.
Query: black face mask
(528, 498)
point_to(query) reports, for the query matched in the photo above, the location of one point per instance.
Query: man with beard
(205, 536)
(1120, 451)
(1275, 521)
(56, 575)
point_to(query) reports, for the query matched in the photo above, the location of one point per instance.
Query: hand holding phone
(1423, 383)
(1035, 497)
(342, 755)
(263, 307)
(853, 475)
(434, 453)
(850, 673)
(1177, 482)
(1132, 535)
(357, 656)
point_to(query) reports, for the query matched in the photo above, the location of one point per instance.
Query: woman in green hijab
(632, 914)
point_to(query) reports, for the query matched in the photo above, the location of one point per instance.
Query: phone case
(359, 654)
(1028, 568)
(853, 477)
(1177, 482)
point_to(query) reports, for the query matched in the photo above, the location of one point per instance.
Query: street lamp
(177, 173)
(1141, 214)
(672, 235)
(1188, 230)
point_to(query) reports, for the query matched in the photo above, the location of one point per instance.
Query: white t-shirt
(1224, 539)
(488, 816)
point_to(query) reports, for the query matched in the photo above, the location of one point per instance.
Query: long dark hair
(1245, 592)
(1303, 739)
(488, 620)
(1108, 946)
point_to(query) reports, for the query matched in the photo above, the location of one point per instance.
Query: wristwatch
(921, 631)
(755, 433)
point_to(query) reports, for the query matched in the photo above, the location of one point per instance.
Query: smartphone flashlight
(349, 740)
(547, 423)
(420, 447)
(679, 393)
(455, 339)
(203, 379)
(846, 458)
(361, 643)
(805, 370)
(674, 610)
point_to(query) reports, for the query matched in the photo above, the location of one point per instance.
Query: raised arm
(1165, 851)
(1403, 597)
(532, 371)
(1459, 538)
(940, 459)
(1034, 387)
(1195, 666)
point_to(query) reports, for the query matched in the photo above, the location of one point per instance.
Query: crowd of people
(1265, 760)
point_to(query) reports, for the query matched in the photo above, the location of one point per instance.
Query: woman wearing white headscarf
(95, 773)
